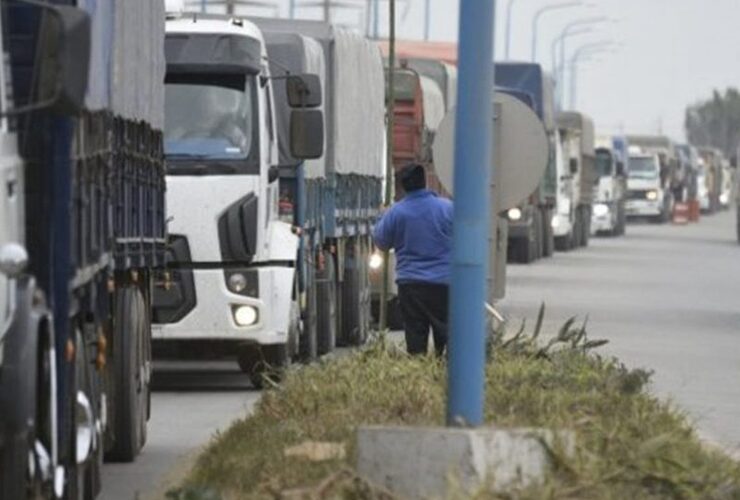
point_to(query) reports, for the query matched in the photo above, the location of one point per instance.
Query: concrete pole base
(430, 462)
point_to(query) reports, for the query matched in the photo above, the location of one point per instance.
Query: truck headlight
(555, 222)
(724, 198)
(514, 214)
(237, 282)
(376, 261)
(651, 195)
(245, 315)
(601, 210)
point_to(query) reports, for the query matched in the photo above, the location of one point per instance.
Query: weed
(629, 444)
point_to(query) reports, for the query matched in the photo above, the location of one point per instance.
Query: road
(666, 297)
(191, 402)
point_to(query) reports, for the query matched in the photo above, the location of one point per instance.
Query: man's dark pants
(424, 306)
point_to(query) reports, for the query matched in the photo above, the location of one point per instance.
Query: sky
(670, 53)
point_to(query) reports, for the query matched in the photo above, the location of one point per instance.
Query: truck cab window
(211, 118)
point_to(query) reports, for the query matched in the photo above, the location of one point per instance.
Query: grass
(629, 444)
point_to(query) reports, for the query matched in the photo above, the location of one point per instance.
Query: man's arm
(383, 231)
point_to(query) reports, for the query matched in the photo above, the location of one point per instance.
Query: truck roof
(573, 120)
(355, 95)
(530, 78)
(190, 22)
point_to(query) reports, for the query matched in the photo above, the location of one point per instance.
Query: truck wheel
(586, 227)
(549, 243)
(308, 339)
(539, 230)
(351, 332)
(326, 307)
(264, 362)
(14, 468)
(562, 243)
(365, 293)
(129, 392)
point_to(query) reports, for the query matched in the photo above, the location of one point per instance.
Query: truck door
(10, 191)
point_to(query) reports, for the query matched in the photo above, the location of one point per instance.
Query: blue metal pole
(473, 153)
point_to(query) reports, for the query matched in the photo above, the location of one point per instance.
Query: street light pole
(587, 22)
(583, 54)
(472, 174)
(539, 14)
(388, 197)
(556, 43)
(507, 44)
(427, 19)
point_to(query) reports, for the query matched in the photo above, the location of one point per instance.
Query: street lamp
(584, 53)
(507, 45)
(540, 13)
(570, 28)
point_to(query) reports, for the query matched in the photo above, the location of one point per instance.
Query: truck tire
(352, 333)
(549, 243)
(308, 343)
(539, 230)
(563, 243)
(129, 388)
(263, 362)
(585, 226)
(326, 307)
(14, 467)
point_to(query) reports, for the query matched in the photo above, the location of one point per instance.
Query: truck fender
(18, 387)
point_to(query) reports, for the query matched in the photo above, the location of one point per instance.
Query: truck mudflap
(223, 313)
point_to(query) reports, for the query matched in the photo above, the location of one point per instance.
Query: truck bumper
(519, 229)
(644, 208)
(561, 225)
(604, 222)
(216, 313)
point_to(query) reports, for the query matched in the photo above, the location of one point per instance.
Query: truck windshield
(209, 118)
(643, 168)
(604, 163)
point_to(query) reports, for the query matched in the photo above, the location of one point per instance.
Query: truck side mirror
(63, 60)
(306, 134)
(574, 166)
(304, 91)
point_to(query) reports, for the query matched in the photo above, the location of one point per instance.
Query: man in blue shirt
(419, 229)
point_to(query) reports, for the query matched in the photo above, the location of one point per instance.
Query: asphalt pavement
(666, 297)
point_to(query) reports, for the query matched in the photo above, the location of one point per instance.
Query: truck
(273, 266)
(442, 73)
(674, 181)
(530, 230)
(609, 215)
(646, 193)
(576, 179)
(82, 235)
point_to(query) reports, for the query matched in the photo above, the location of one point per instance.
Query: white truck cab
(646, 196)
(608, 215)
(232, 279)
(11, 209)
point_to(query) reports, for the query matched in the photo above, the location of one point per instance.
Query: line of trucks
(195, 185)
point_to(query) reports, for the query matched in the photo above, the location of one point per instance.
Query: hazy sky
(673, 52)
